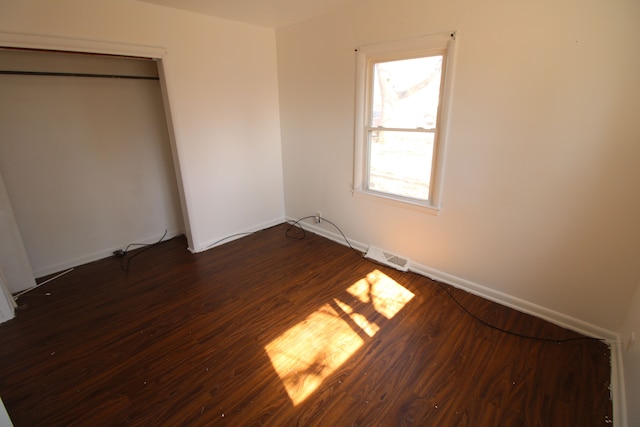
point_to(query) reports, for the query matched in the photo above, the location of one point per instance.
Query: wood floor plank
(273, 330)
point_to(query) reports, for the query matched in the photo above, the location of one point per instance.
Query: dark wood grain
(184, 339)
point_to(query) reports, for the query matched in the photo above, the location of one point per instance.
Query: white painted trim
(101, 254)
(617, 385)
(70, 44)
(416, 44)
(618, 391)
(218, 241)
(396, 202)
(336, 237)
(5, 421)
(435, 44)
(501, 298)
(613, 339)
(7, 304)
(444, 129)
(177, 164)
(516, 303)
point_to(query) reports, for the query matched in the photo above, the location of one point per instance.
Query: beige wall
(540, 187)
(86, 161)
(539, 201)
(222, 87)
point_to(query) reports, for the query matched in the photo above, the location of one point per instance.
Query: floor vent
(386, 258)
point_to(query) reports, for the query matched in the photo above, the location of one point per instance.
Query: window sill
(397, 201)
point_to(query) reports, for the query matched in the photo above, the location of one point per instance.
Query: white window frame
(367, 56)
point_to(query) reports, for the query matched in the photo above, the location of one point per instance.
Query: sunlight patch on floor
(369, 327)
(306, 354)
(310, 351)
(385, 294)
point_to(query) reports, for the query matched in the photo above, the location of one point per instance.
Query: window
(401, 121)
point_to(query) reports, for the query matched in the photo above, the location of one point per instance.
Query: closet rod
(46, 73)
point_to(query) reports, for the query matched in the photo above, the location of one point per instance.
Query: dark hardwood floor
(270, 330)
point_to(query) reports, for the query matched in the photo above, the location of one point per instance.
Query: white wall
(86, 161)
(7, 303)
(222, 87)
(543, 161)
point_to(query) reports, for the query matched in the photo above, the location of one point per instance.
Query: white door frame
(31, 41)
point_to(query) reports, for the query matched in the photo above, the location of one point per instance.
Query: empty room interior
(330, 212)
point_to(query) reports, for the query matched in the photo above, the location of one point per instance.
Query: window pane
(406, 93)
(400, 163)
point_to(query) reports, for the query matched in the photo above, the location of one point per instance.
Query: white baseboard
(565, 321)
(212, 243)
(557, 318)
(335, 236)
(95, 256)
(618, 396)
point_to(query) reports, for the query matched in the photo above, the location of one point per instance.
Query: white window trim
(433, 44)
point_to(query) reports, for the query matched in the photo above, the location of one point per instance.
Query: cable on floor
(248, 233)
(124, 264)
(297, 225)
(506, 331)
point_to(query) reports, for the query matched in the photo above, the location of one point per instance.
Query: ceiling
(265, 13)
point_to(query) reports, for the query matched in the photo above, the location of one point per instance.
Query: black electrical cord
(449, 294)
(124, 265)
(296, 224)
(248, 233)
(506, 331)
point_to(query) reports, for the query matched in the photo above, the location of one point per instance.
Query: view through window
(403, 120)
(402, 93)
